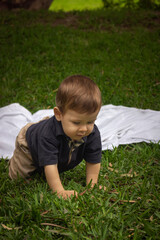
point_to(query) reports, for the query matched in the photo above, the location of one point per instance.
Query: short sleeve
(93, 149)
(47, 151)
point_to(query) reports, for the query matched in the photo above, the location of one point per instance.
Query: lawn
(120, 51)
(75, 5)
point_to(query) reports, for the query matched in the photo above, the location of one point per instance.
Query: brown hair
(78, 93)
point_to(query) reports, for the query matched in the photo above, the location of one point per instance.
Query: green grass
(71, 5)
(95, 215)
(120, 51)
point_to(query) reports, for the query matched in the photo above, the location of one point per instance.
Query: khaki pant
(21, 163)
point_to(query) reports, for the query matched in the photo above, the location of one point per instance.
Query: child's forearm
(53, 178)
(92, 173)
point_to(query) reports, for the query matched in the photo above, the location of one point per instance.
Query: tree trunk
(25, 4)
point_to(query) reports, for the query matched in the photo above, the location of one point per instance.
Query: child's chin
(79, 137)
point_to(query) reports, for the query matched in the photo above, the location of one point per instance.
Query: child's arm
(54, 181)
(92, 172)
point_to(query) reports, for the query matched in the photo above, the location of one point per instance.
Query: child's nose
(83, 128)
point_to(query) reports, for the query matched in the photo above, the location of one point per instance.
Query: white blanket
(117, 125)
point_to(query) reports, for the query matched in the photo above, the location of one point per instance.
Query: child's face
(77, 125)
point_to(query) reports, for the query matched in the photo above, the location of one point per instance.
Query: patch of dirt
(104, 24)
(149, 20)
(68, 21)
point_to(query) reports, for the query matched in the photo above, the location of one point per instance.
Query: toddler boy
(60, 143)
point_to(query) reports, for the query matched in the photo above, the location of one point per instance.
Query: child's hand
(102, 187)
(67, 194)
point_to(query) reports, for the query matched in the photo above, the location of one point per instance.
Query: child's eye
(92, 122)
(76, 123)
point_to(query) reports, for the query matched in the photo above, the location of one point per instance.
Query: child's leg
(21, 163)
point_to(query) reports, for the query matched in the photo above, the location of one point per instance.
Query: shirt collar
(58, 127)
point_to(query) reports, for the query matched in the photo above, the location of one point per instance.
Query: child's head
(78, 93)
(78, 103)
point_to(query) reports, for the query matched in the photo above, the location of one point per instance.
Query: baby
(60, 143)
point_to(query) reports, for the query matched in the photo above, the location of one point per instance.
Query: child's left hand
(102, 187)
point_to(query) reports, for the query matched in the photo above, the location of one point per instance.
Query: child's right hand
(53, 179)
(67, 194)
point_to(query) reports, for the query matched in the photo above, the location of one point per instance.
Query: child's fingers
(68, 194)
(102, 187)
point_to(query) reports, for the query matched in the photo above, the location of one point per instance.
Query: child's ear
(57, 113)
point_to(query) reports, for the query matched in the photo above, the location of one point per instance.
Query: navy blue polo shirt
(48, 145)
